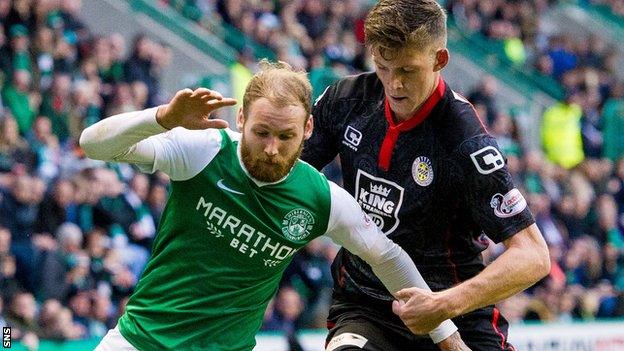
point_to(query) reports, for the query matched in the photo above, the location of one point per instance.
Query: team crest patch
(509, 204)
(297, 224)
(422, 171)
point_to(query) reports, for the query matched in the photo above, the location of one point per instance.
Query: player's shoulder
(209, 138)
(362, 87)
(458, 121)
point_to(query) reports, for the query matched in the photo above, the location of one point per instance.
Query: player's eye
(262, 133)
(285, 136)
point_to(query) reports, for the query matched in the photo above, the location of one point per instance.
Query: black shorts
(356, 326)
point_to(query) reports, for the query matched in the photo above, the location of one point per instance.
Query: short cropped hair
(392, 25)
(279, 83)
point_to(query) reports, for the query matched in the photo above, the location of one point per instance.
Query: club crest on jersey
(509, 204)
(422, 171)
(297, 224)
(381, 199)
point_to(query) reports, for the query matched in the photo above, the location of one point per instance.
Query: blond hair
(392, 25)
(279, 83)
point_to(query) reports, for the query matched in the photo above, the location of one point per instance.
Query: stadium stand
(75, 234)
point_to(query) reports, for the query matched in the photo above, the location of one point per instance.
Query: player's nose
(271, 146)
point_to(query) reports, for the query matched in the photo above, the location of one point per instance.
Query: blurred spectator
(56, 105)
(287, 309)
(483, 95)
(21, 101)
(63, 268)
(22, 315)
(13, 148)
(46, 149)
(157, 199)
(561, 133)
(613, 124)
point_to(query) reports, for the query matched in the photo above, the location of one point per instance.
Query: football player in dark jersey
(420, 162)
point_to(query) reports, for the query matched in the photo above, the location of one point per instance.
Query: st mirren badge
(422, 171)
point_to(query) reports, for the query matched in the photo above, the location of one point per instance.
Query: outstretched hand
(191, 109)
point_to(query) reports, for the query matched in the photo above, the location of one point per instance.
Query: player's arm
(524, 262)
(138, 137)
(501, 211)
(353, 229)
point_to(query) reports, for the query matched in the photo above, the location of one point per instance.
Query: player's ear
(308, 128)
(240, 119)
(441, 59)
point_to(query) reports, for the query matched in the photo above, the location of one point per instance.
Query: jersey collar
(394, 129)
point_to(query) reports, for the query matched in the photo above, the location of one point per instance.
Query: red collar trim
(422, 113)
(392, 134)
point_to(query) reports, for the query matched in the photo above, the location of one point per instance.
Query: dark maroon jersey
(436, 184)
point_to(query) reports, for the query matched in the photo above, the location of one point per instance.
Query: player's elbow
(90, 145)
(86, 144)
(542, 263)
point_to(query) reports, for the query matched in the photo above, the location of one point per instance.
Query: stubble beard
(264, 168)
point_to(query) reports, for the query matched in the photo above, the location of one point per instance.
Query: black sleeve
(488, 190)
(322, 147)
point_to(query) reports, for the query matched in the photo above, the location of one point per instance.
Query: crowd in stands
(75, 234)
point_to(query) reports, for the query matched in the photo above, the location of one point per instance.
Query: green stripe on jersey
(222, 246)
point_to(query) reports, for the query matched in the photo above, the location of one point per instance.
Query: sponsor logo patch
(381, 199)
(422, 171)
(509, 204)
(221, 185)
(352, 138)
(297, 224)
(487, 160)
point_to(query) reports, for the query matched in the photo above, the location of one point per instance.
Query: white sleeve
(350, 227)
(136, 137)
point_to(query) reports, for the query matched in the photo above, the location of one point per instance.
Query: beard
(267, 169)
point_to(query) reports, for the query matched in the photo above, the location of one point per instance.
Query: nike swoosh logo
(222, 185)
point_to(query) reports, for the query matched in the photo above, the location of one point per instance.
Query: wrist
(450, 302)
(160, 117)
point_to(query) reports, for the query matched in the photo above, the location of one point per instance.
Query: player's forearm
(397, 271)
(111, 138)
(515, 270)
(351, 228)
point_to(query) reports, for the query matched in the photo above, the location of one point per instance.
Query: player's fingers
(215, 123)
(204, 93)
(183, 93)
(404, 294)
(215, 104)
(397, 307)
(205, 123)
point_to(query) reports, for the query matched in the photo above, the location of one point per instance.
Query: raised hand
(191, 109)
